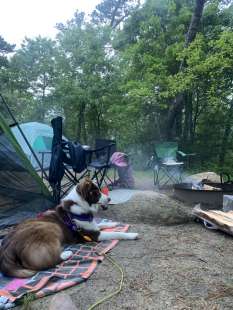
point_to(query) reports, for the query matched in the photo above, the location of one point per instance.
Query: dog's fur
(37, 244)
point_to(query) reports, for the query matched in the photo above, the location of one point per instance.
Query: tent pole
(23, 135)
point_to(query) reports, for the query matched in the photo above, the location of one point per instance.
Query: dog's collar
(68, 222)
(86, 217)
(69, 217)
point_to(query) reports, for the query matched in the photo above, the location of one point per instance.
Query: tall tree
(84, 84)
(35, 62)
(148, 46)
(178, 102)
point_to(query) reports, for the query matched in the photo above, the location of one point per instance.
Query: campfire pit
(209, 193)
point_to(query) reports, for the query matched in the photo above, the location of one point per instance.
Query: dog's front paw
(104, 225)
(132, 236)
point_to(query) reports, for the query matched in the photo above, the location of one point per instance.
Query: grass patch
(27, 301)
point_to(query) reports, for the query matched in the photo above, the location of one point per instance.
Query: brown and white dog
(37, 244)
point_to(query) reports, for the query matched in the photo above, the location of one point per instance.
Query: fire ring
(209, 193)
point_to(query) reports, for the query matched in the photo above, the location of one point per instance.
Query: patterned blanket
(75, 270)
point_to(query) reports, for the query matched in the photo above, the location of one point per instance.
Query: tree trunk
(178, 125)
(225, 139)
(178, 101)
(186, 123)
(81, 122)
(188, 120)
(99, 124)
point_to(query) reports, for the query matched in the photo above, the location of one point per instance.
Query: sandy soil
(176, 263)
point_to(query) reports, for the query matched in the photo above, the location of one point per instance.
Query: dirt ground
(176, 263)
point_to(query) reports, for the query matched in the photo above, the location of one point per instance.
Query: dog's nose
(109, 199)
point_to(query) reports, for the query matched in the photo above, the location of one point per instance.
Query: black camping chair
(71, 162)
(99, 161)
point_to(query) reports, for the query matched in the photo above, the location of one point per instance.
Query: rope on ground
(117, 291)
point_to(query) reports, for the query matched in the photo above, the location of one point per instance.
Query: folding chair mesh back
(104, 148)
(104, 143)
(166, 150)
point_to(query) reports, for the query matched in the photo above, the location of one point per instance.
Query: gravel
(176, 263)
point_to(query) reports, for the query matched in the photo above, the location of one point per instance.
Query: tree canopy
(134, 71)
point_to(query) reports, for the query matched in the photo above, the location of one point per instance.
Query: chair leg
(108, 180)
(102, 173)
(164, 177)
(101, 177)
(98, 176)
(156, 177)
(172, 174)
(95, 177)
(181, 175)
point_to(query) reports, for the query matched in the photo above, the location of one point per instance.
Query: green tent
(40, 138)
(22, 192)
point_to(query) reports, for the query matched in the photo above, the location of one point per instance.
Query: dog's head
(90, 192)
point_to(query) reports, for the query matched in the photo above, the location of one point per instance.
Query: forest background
(136, 71)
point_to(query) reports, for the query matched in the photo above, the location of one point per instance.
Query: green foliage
(5, 48)
(116, 75)
(113, 12)
(27, 301)
(86, 78)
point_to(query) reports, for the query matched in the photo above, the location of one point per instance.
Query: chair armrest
(181, 153)
(185, 154)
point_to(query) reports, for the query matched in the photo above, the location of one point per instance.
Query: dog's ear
(66, 204)
(84, 188)
(64, 207)
(60, 211)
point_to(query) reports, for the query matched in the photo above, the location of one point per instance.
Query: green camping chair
(166, 166)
